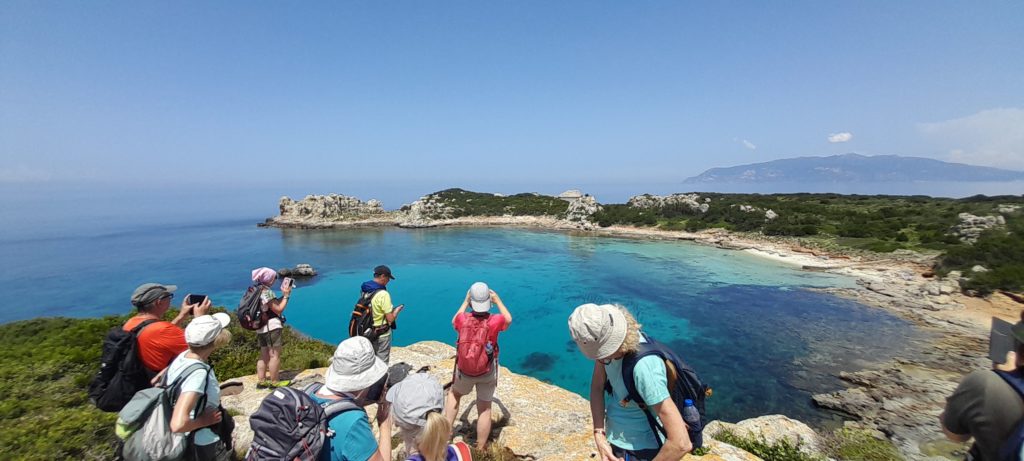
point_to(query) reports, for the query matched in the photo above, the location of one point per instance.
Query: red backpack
(474, 351)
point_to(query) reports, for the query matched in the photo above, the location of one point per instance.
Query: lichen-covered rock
(772, 429)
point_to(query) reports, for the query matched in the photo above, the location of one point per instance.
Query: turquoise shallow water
(750, 326)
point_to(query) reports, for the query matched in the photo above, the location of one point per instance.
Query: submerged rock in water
(538, 361)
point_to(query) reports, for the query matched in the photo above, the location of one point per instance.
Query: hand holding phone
(287, 284)
(195, 300)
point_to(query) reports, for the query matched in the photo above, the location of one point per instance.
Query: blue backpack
(1013, 448)
(683, 384)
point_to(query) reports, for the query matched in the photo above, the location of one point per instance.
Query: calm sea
(750, 326)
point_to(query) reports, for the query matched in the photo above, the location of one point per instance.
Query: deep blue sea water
(750, 326)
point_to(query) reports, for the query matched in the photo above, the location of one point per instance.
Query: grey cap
(414, 397)
(149, 292)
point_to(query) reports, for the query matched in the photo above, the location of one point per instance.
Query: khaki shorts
(272, 338)
(485, 385)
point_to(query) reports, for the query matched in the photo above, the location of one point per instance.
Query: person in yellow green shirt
(384, 313)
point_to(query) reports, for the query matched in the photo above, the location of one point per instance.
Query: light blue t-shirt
(197, 382)
(627, 426)
(353, 439)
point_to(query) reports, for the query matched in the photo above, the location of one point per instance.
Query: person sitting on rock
(476, 363)
(417, 403)
(606, 334)
(986, 405)
(270, 337)
(354, 369)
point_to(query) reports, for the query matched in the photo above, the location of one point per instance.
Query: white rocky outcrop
(315, 211)
(693, 201)
(424, 212)
(580, 210)
(971, 226)
(1008, 209)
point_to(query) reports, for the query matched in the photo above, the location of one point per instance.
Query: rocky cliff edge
(533, 419)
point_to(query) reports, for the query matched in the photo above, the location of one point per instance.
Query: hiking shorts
(485, 385)
(638, 455)
(272, 338)
(382, 346)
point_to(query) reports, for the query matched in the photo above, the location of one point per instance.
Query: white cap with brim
(598, 330)
(480, 297)
(204, 329)
(354, 367)
(414, 397)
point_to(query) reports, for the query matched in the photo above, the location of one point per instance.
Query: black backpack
(361, 322)
(1013, 447)
(289, 424)
(121, 373)
(250, 309)
(683, 384)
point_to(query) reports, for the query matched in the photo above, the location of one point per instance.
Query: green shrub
(860, 445)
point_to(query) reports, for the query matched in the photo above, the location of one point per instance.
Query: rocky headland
(900, 399)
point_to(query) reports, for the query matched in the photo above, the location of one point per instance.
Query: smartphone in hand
(288, 283)
(195, 299)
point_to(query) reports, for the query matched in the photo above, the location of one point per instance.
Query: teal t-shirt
(627, 426)
(353, 439)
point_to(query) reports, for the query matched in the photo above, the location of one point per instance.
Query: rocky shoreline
(900, 399)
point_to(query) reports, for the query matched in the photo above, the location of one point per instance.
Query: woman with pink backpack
(476, 360)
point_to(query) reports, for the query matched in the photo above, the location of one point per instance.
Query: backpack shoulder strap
(337, 407)
(138, 328)
(174, 388)
(334, 407)
(1014, 379)
(461, 452)
(629, 380)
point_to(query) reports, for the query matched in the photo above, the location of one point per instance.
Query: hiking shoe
(282, 383)
(263, 385)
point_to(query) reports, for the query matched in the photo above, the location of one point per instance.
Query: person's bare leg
(451, 406)
(483, 424)
(275, 362)
(261, 364)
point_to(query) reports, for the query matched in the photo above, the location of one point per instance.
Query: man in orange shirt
(160, 342)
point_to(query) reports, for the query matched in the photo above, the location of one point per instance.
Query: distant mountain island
(854, 168)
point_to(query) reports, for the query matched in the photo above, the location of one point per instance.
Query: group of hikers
(637, 414)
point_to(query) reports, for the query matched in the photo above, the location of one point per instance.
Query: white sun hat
(354, 367)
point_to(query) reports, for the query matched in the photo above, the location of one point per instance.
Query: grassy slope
(47, 365)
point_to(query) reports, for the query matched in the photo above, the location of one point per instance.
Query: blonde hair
(631, 343)
(432, 439)
(222, 339)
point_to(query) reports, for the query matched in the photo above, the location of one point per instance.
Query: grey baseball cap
(149, 292)
(414, 397)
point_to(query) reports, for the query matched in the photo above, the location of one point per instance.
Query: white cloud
(840, 137)
(747, 144)
(992, 137)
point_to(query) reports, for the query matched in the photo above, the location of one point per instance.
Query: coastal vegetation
(461, 203)
(876, 223)
(49, 362)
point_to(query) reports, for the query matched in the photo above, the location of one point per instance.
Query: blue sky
(504, 92)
